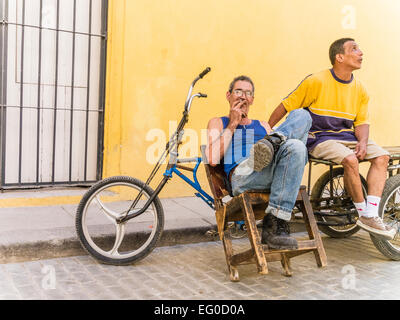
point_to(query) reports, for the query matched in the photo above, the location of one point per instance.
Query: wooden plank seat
(249, 207)
(394, 153)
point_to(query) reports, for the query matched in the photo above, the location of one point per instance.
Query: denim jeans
(283, 175)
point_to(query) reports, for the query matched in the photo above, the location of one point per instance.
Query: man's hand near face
(236, 113)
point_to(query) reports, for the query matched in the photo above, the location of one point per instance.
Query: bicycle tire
(103, 231)
(317, 193)
(389, 248)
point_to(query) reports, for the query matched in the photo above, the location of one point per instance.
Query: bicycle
(126, 212)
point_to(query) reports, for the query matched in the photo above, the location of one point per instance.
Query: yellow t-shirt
(335, 106)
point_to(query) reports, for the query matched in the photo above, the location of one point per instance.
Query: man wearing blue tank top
(276, 162)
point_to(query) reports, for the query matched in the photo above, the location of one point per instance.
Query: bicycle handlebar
(189, 96)
(176, 137)
(205, 71)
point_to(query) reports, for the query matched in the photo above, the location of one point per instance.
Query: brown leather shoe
(263, 151)
(261, 154)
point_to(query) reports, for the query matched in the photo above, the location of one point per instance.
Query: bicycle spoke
(109, 214)
(339, 190)
(119, 236)
(396, 196)
(340, 186)
(335, 187)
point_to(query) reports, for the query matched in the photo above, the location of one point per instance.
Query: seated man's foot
(376, 226)
(262, 152)
(276, 234)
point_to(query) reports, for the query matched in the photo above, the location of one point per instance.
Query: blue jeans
(283, 175)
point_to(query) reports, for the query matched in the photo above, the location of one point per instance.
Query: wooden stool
(249, 207)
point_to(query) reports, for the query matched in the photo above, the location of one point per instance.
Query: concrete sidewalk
(40, 224)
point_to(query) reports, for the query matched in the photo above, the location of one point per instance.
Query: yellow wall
(157, 47)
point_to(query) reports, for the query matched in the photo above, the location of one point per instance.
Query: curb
(40, 250)
(59, 248)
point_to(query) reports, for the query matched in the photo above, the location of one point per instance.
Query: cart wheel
(115, 243)
(389, 211)
(341, 203)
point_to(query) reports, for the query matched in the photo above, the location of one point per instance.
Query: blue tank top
(243, 138)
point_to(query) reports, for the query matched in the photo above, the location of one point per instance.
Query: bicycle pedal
(212, 233)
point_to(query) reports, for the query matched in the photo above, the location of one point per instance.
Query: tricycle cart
(335, 212)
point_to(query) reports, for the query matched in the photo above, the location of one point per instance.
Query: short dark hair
(240, 78)
(337, 47)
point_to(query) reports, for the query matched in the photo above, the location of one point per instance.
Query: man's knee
(350, 162)
(296, 148)
(381, 161)
(302, 115)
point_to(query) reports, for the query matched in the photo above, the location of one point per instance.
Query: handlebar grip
(202, 95)
(205, 71)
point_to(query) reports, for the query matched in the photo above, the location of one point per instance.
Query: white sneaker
(376, 226)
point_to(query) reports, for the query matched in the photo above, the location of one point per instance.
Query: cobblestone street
(356, 270)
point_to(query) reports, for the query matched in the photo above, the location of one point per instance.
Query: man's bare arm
(277, 115)
(218, 140)
(362, 134)
(266, 126)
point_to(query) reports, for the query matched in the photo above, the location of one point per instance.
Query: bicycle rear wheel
(106, 240)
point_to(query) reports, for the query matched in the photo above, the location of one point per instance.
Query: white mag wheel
(118, 243)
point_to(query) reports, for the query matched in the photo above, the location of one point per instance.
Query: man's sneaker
(276, 234)
(262, 152)
(376, 226)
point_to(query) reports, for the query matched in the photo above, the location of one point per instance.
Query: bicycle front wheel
(118, 243)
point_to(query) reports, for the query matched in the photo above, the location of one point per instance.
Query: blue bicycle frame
(194, 183)
(171, 169)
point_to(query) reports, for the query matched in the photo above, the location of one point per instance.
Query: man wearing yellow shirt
(338, 105)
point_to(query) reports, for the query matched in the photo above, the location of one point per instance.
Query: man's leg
(352, 179)
(341, 152)
(368, 208)
(376, 179)
(283, 177)
(352, 183)
(289, 164)
(376, 182)
(296, 126)
(289, 167)
(377, 174)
